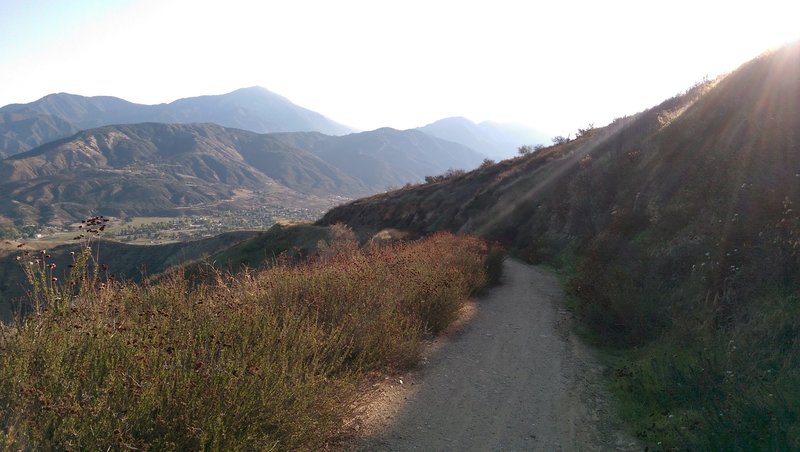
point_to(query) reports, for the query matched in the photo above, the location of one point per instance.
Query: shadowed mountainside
(679, 228)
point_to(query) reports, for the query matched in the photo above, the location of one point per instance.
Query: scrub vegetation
(260, 359)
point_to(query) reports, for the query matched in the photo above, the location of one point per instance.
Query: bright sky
(554, 65)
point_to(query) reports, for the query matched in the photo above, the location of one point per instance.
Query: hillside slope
(680, 230)
(743, 130)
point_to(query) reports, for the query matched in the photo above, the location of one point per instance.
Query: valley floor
(510, 378)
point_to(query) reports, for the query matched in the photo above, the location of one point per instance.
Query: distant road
(513, 379)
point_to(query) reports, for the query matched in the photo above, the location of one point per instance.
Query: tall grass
(267, 359)
(734, 388)
(697, 367)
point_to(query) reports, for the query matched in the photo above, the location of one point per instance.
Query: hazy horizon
(369, 65)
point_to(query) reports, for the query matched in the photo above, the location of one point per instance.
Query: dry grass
(265, 359)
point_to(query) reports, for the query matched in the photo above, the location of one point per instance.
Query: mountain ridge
(155, 168)
(255, 109)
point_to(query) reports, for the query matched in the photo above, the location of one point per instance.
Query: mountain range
(156, 168)
(25, 126)
(68, 155)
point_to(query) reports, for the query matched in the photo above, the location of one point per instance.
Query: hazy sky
(554, 65)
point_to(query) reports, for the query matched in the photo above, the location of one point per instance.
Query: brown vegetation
(258, 360)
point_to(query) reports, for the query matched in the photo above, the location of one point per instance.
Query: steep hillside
(496, 140)
(680, 230)
(59, 115)
(720, 147)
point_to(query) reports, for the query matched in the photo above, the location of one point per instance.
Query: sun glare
(371, 66)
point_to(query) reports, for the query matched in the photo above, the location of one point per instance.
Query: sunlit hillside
(678, 227)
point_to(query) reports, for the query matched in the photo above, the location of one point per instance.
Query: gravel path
(513, 378)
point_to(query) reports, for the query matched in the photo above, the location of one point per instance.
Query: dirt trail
(512, 378)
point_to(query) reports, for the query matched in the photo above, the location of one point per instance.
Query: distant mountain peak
(454, 120)
(253, 89)
(386, 130)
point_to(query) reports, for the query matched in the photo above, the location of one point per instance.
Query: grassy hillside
(678, 228)
(267, 359)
